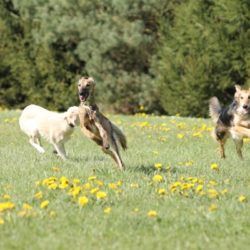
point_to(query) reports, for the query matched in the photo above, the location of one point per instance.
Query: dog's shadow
(149, 169)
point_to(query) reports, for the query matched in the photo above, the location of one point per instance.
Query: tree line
(162, 57)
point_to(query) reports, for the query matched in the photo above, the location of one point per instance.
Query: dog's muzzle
(83, 95)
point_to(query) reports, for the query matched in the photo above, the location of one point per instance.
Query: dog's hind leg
(113, 151)
(35, 142)
(239, 144)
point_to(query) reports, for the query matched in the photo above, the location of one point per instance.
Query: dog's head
(242, 97)
(72, 116)
(86, 86)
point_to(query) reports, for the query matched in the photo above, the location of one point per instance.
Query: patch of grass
(195, 206)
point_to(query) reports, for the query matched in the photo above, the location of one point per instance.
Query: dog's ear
(237, 88)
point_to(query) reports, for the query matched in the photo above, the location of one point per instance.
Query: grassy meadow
(176, 193)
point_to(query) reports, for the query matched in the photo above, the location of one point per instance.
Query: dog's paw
(106, 146)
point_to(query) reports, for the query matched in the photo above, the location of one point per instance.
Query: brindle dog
(96, 126)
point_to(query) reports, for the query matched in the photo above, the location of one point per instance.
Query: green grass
(182, 222)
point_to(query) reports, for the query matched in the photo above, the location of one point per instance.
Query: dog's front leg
(59, 147)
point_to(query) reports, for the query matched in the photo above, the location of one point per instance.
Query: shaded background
(162, 57)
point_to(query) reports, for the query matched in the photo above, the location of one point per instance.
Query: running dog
(96, 126)
(233, 120)
(56, 128)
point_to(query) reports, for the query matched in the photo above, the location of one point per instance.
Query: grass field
(175, 193)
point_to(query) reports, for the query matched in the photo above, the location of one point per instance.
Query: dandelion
(242, 198)
(112, 186)
(52, 214)
(94, 190)
(6, 206)
(1, 221)
(101, 195)
(213, 207)
(199, 188)
(180, 136)
(92, 178)
(158, 165)
(26, 206)
(74, 191)
(53, 186)
(87, 186)
(56, 169)
(44, 204)
(107, 210)
(76, 181)
(6, 196)
(157, 178)
(224, 191)
(136, 210)
(99, 183)
(83, 200)
(134, 185)
(152, 213)
(119, 183)
(214, 166)
(161, 191)
(212, 193)
(38, 195)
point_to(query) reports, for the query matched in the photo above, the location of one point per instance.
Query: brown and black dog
(95, 125)
(233, 120)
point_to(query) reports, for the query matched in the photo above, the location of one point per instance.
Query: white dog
(36, 121)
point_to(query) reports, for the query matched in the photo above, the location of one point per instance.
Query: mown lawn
(168, 173)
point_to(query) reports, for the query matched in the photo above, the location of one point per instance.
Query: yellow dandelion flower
(101, 195)
(38, 195)
(157, 178)
(74, 191)
(242, 198)
(6, 206)
(180, 136)
(136, 210)
(94, 190)
(134, 185)
(119, 183)
(213, 183)
(213, 207)
(158, 165)
(52, 186)
(44, 204)
(6, 196)
(214, 166)
(161, 191)
(224, 191)
(56, 169)
(87, 186)
(107, 210)
(83, 200)
(99, 183)
(26, 206)
(1, 221)
(52, 214)
(92, 178)
(112, 186)
(212, 193)
(76, 181)
(152, 213)
(199, 188)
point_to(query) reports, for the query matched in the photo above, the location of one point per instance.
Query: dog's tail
(119, 136)
(214, 109)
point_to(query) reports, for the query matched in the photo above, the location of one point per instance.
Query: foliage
(166, 56)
